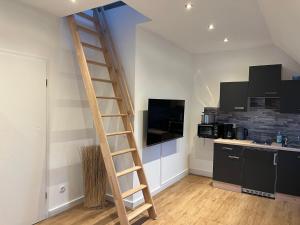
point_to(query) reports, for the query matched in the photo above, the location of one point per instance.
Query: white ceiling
(66, 7)
(283, 20)
(247, 23)
(239, 20)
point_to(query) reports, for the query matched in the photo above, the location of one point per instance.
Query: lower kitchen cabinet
(288, 175)
(259, 171)
(227, 163)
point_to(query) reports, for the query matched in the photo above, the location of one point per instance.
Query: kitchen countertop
(249, 143)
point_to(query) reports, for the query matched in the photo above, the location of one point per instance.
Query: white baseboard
(110, 198)
(130, 204)
(203, 173)
(63, 207)
(163, 186)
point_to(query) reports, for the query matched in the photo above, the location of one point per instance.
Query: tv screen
(165, 120)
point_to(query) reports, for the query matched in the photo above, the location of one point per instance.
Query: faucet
(285, 142)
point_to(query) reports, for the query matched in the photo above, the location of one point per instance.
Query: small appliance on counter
(209, 115)
(208, 119)
(209, 128)
(241, 133)
(229, 131)
(213, 131)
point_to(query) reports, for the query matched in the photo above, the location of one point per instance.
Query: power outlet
(62, 189)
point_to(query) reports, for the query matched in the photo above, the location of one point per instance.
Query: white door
(22, 139)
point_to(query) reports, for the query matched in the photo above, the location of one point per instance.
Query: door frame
(47, 132)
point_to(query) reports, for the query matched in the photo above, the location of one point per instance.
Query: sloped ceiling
(247, 23)
(283, 20)
(240, 21)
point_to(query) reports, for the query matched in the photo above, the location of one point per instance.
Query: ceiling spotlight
(226, 40)
(189, 5)
(211, 27)
(73, 1)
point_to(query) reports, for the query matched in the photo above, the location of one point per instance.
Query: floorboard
(193, 201)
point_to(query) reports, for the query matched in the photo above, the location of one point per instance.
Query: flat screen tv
(165, 120)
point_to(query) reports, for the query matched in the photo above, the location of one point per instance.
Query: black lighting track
(114, 5)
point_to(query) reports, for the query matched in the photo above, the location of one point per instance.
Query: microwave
(214, 130)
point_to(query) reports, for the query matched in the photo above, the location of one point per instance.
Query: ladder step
(115, 115)
(121, 152)
(133, 191)
(114, 98)
(130, 170)
(87, 45)
(102, 80)
(96, 63)
(118, 133)
(87, 30)
(138, 211)
(86, 16)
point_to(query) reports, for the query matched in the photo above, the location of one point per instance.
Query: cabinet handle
(275, 159)
(298, 157)
(239, 108)
(226, 148)
(233, 157)
(270, 93)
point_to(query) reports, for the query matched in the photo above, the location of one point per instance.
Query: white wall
(162, 71)
(155, 68)
(122, 22)
(210, 70)
(30, 31)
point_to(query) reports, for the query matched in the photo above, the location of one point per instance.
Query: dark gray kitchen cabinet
(289, 96)
(288, 175)
(264, 81)
(259, 171)
(233, 96)
(227, 163)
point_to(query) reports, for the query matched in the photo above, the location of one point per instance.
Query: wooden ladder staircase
(99, 30)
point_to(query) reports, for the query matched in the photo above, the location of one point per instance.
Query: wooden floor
(194, 201)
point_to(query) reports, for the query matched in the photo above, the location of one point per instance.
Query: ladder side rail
(116, 61)
(141, 175)
(110, 168)
(132, 143)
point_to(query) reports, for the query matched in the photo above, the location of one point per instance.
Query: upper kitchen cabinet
(289, 95)
(233, 96)
(264, 81)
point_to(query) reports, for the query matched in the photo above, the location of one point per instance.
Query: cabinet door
(288, 175)
(227, 164)
(264, 81)
(259, 170)
(233, 96)
(290, 92)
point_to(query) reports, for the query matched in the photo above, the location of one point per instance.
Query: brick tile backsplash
(265, 123)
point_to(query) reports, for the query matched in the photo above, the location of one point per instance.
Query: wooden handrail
(120, 74)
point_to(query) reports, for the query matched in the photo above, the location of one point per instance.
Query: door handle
(271, 93)
(233, 157)
(275, 159)
(226, 148)
(239, 107)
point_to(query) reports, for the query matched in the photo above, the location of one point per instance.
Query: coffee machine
(229, 131)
